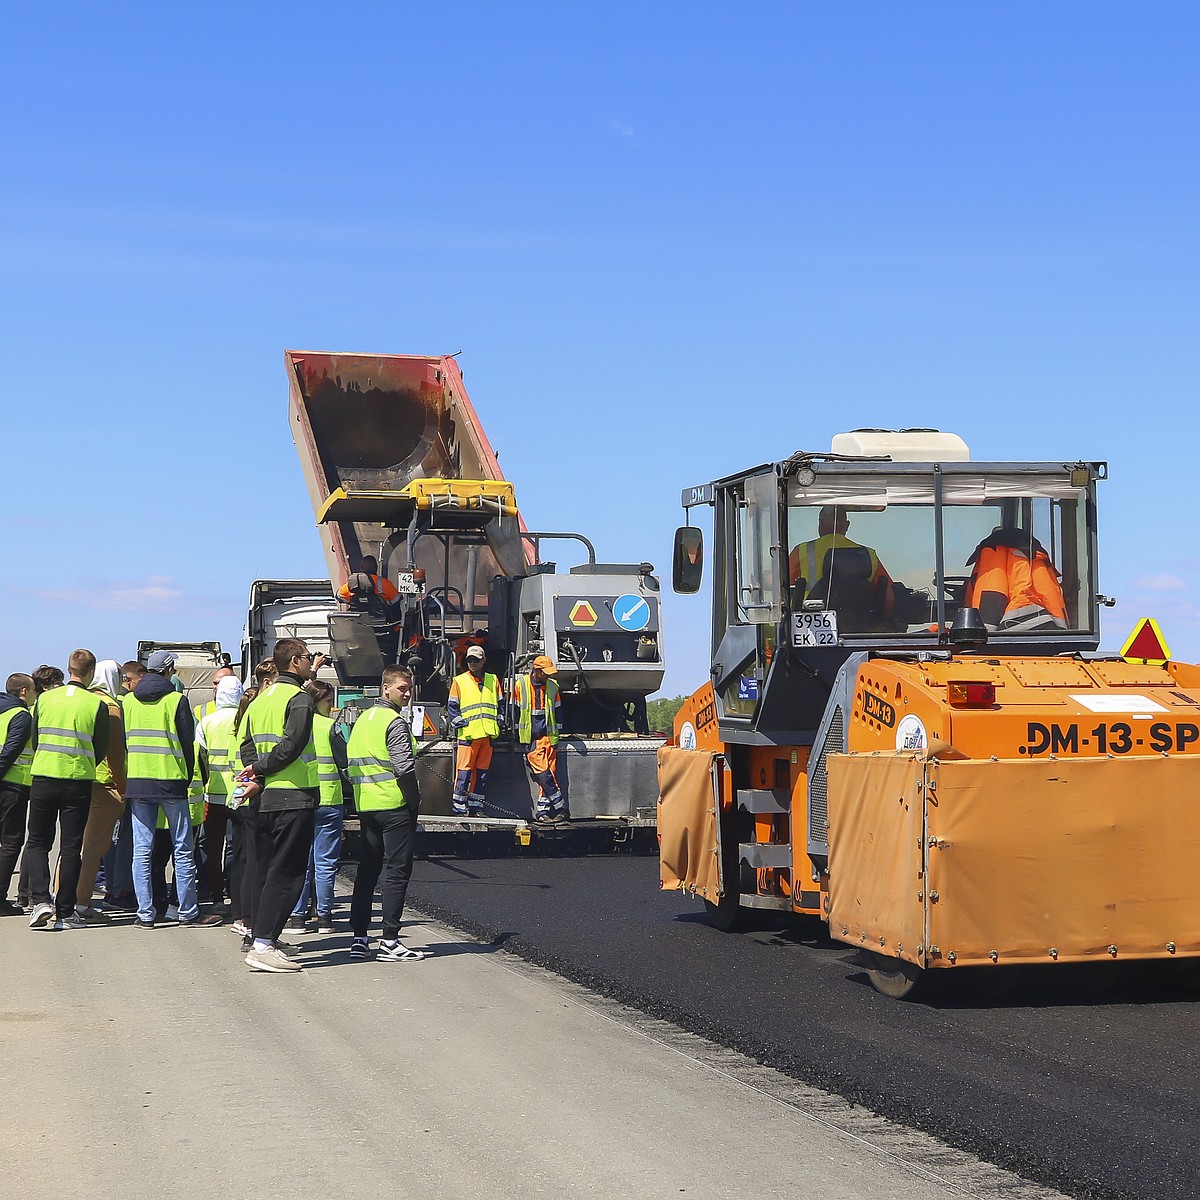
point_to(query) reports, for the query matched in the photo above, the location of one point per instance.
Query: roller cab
(909, 731)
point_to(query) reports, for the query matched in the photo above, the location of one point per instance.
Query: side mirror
(687, 567)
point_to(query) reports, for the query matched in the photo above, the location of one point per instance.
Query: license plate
(814, 629)
(406, 585)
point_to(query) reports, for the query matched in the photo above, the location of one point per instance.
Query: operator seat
(845, 586)
(364, 597)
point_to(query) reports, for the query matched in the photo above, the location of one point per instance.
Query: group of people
(113, 748)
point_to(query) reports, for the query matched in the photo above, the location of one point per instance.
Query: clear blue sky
(671, 240)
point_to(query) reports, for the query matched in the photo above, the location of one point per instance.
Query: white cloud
(1162, 582)
(621, 129)
(159, 593)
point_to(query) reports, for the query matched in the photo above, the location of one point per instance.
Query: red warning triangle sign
(1146, 643)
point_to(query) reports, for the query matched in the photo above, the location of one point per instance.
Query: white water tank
(902, 445)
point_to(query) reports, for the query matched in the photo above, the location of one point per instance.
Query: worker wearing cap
(474, 712)
(536, 715)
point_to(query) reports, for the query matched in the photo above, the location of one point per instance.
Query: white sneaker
(42, 916)
(71, 921)
(270, 959)
(242, 928)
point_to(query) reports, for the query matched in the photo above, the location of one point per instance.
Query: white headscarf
(107, 678)
(229, 692)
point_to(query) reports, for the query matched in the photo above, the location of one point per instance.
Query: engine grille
(818, 783)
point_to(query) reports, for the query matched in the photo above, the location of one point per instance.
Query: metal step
(781, 903)
(757, 855)
(759, 800)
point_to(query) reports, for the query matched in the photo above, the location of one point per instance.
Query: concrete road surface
(155, 1064)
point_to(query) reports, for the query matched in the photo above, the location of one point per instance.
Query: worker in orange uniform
(473, 709)
(536, 716)
(833, 550)
(1014, 584)
(384, 588)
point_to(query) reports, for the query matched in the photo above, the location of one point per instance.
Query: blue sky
(671, 240)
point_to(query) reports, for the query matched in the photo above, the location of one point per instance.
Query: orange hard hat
(545, 665)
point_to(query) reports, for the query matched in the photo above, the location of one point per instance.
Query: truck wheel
(893, 977)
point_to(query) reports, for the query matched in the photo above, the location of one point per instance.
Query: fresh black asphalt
(1089, 1090)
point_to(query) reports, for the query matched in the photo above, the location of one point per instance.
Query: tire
(727, 915)
(893, 977)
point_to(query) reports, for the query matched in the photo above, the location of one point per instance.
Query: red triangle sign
(1146, 642)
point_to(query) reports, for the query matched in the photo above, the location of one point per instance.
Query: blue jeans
(179, 824)
(323, 860)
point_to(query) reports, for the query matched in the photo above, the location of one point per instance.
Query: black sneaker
(247, 942)
(9, 909)
(143, 924)
(296, 924)
(360, 947)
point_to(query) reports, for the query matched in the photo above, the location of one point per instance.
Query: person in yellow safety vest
(160, 745)
(473, 709)
(383, 771)
(536, 714)
(332, 769)
(108, 793)
(200, 711)
(214, 759)
(70, 733)
(1014, 585)
(808, 562)
(280, 778)
(16, 759)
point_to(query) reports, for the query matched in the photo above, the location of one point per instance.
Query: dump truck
(398, 467)
(909, 730)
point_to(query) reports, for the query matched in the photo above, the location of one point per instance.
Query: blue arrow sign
(631, 612)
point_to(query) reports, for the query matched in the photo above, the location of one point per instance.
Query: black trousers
(63, 803)
(282, 843)
(386, 844)
(14, 808)
(244, 882)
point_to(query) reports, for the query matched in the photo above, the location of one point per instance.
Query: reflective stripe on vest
(217, 727)
(371, 772)
(152, 746)
(266, 718)
(1010, 588)
(328, 779)
(20, 772)
(525, 698)
(479, 705)
(65, 719)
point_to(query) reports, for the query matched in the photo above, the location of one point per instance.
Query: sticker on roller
(910, 734)
(687, 736)
(1109, 703)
